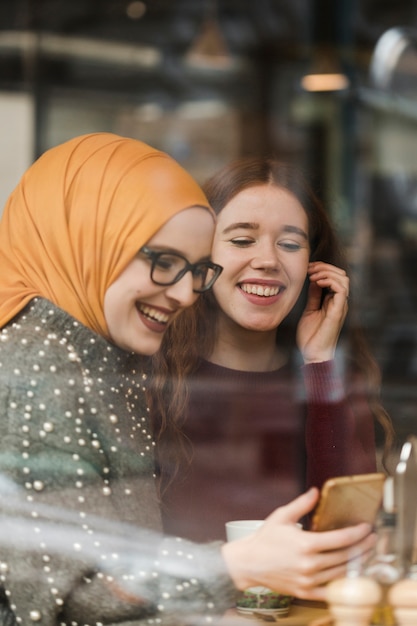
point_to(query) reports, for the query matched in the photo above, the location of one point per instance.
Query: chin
(149, 352)
(259, 326)
(142, 348)
(148, 348)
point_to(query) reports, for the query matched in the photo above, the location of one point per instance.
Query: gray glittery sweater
(80, 520)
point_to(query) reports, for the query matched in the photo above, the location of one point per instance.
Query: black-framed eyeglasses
(168, 268)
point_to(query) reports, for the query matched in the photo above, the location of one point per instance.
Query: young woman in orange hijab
(103, 243)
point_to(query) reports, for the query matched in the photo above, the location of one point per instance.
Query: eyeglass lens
(168, 267)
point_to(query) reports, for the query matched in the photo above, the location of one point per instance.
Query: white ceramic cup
(241, 528)
(258, 599)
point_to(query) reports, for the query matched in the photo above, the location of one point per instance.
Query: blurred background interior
(329, 85)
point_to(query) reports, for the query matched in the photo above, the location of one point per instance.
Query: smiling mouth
(153, 314)
(260, 290)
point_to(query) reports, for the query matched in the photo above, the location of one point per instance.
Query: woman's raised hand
(326, 309)
(289, 560)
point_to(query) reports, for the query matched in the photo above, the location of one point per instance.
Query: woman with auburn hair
(282, 390)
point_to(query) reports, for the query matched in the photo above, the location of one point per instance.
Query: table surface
(302, 613)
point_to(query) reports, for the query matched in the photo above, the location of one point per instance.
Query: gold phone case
(349, 500)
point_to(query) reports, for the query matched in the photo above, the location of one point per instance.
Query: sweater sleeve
(339, 433)
(77, 545)
(146, 577)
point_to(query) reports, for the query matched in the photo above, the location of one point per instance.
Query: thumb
(296, 509)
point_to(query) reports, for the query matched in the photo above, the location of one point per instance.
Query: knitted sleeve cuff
(323, 382)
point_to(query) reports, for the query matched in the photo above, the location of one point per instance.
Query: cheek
(109, 298)
(230, 271)
(230, 259)
(217, 254)
(300, 269)
(220, 289)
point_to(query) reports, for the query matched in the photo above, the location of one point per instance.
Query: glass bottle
(384, 566)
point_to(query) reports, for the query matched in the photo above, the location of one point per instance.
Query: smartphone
(349, 500)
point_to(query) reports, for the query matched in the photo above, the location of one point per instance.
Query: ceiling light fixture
(136, 9)
(326, 74)
(209, 50)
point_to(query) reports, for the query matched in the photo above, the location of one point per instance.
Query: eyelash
(288, 246)
(291, 247)
(241, 242)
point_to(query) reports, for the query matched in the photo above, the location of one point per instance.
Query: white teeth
(154, 314)
(258, 290)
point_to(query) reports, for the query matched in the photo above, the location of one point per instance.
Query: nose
(182, 291)
(266, 256)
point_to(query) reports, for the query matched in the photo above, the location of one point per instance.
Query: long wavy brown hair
(193, 335)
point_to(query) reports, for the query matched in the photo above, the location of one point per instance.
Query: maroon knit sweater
(259, 439)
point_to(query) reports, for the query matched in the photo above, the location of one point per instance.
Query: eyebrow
(243, 225)
(168, 250)
(255, 226)
(294, 229)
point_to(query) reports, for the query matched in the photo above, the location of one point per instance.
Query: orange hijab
(79, 215)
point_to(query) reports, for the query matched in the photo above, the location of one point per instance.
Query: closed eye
(241, 242)
(166, 262)
(290, 246)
